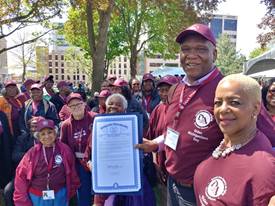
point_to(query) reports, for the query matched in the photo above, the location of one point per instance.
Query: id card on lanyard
(48, 194)
(79, 154)
(172, 135)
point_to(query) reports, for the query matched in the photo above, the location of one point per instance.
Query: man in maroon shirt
(191, 131)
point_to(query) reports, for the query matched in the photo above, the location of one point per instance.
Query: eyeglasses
(271, 91)
(74, 106)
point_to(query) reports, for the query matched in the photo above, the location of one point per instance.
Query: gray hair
(120, 97)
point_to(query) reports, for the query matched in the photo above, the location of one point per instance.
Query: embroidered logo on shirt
(203, 119)
(58, 159)
(217, 187)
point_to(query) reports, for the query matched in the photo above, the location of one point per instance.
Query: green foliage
(78, 61)
(257, 52)
(228, 60)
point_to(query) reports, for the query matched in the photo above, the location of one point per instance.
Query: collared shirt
(185, 79)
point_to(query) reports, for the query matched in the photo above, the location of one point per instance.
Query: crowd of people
(207, 139)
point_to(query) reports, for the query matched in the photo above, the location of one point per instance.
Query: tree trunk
(98, 44)
(133, 63)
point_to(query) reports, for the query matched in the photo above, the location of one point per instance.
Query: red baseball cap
(9, 83)
(104, 93)
(73, 96)
(200, 29)
(148, 76)
(62, 84)
(29, 82)
(120, 82)
(168, 79)
(45, 123)
(36, 86)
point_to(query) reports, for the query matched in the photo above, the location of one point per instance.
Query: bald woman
(241, 170)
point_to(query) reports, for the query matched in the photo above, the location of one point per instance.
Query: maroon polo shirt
(199, 133)
(244, 177)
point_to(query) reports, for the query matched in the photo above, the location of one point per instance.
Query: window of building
(77, 71)
(62, 64)
(50, 64)
(68, 77)
(56, 77)
(50, 57)
(62, 71)
(50, 70)
(230, 25)
(77, 77)
(125, 59)
(119, 71)
(125, 65)
(62, 57)
(62, 77)
(171, 65)
(56, 64)
(125, 72)
(74, 77)
(119, 59)
(111, 71)
(216, 27)
(83, 77)
(155, 64)
(114, 65)
(56, 70)
(119, 66)
(115, 72)
(56, 57)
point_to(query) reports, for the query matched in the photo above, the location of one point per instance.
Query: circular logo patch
(217, 187)
(203, 119)
(58, 159)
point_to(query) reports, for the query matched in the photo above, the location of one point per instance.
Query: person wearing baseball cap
(75, 132)
(37, 106)
(11, 105)
(48, 90)
(59, 99)
(150, 96)
(112, 78)
(103, 95)
(25, 95)
(188, 140)
(51, 179)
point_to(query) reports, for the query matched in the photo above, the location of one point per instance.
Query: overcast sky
(250, 13)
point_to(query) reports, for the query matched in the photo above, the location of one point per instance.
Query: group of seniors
(211, 137)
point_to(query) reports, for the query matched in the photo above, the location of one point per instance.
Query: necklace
(222, 150)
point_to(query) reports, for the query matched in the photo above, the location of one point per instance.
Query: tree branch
(25, 42)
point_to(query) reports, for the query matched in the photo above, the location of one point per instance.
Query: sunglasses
(271, 91)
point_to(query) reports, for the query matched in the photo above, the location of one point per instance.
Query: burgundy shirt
(75, 133)
(199, 133)
(244, 177)
(57, 173)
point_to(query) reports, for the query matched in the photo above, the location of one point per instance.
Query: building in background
(120, 67)
(224, 24)
(52, 61)
(3, 61)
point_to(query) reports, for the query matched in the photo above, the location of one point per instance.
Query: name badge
(48, 195)
(79, 155)
(172, 138)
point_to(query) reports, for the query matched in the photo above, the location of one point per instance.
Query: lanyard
(49, 165)
(182, 103)
(79, 141)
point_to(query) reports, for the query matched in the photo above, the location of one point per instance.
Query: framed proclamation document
(116, 163)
